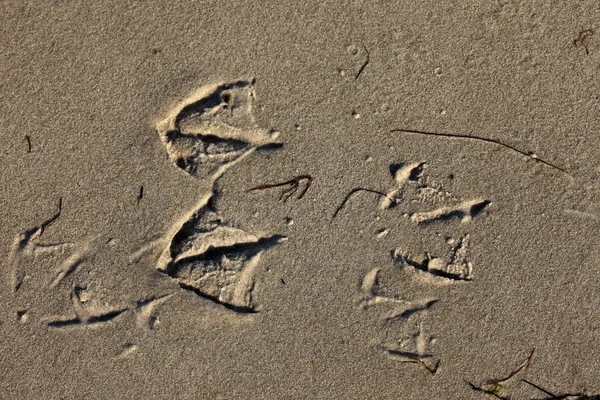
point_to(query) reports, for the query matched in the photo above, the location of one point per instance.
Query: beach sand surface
(289, 200)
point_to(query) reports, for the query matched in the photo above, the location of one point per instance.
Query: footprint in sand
(206, 134)
(214, 129)
(427, 206)
(403, 334)
(215, 260)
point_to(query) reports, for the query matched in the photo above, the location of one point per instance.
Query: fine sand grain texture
(300, 200)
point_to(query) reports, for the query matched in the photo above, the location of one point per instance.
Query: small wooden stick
(362, 67)
(140, 195)
(483, 139)
(416, 360)
(523, 365)
(489, 392)
(49, 221)
(294, 184)
(583, 35)
(356, 190)
(540, 389)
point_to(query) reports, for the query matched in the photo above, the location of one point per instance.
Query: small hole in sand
(226, 97)
(180, 163)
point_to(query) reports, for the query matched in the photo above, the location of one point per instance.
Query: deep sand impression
(214, 200)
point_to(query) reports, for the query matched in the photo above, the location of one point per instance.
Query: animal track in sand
(425, 203)
(205, 134)
(403, 320)
(415, 187)
(215, 260)
(84, 314)
(213, 129)
(438, 270)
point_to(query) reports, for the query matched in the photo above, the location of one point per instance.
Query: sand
(224, 200)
